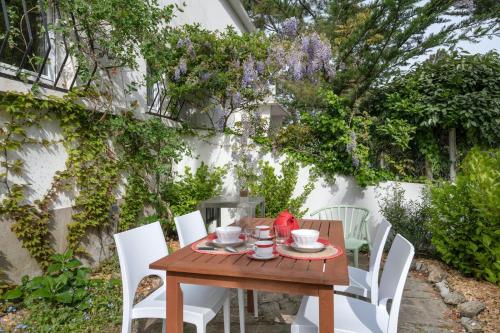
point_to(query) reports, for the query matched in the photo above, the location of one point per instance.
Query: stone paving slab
(422, 311)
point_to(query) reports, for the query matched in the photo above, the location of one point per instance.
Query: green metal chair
(354, 221)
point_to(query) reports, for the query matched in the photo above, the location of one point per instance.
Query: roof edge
(242, 14)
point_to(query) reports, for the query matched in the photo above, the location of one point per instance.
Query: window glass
(25, 21)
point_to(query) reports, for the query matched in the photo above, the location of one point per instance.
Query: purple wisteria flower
(250, 75)
(182, 66)
(290, 26)
(205, 76)
(260, 66)
(351, 146)
(307, 56)
(186, 43)
(355, 161)
(177, 74)
(296, 67)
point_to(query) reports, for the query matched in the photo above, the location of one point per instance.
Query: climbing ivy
(93, 168)
(102, 149)
(30, 218)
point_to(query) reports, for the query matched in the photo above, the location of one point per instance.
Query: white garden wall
(216, 151)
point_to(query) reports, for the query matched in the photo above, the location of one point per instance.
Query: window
(23, 38)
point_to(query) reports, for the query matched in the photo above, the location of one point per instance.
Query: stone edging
(468, 309)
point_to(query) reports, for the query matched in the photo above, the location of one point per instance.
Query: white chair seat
(200, 303)
(359, 282)
(350, 315)
(357, 316)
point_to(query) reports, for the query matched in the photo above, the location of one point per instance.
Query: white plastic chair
(139, 247)
(354, 221)
(190, 228)
(365, 283)
(357, 316)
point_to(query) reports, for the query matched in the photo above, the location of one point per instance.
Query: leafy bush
(466, 216)
(336, 141)
(278, 189)
(66, 300)
(184, 194)
(66, 282)
(449, 90)
(409, 218)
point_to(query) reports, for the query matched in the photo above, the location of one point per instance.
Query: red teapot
(285, 218)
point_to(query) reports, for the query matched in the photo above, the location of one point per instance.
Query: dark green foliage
(66, 299)
(147, 151)
(335, 141)
(278, 190)
(184, 194)
(408, 218)
(371, 40)
(447, 91)
(466, 216)
(65, 282)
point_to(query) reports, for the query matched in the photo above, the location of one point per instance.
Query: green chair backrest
(354, 219)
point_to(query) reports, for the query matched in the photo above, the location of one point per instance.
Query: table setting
(263, 242)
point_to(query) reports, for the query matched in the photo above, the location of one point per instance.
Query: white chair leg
(227, 315)
(355, 255)
(241, 308)
(201, 328)
(255, 304)
(126, 323)
(164, 326)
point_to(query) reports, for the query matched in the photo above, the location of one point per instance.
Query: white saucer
(315, 247)
(256, 257)
(218, 243)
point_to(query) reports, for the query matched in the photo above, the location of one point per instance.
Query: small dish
(313, 248)
(218, 243)
(252, 255)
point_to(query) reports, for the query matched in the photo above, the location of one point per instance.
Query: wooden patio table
(281, 275)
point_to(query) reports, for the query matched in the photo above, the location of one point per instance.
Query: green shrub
(409, 218)
(66, 299)
(184, 194)
(278, 190)
(65, 282)
(466, 216)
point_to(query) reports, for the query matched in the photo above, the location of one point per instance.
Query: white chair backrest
(190, 228)
(353, 219)
(137, 248)
(383, 229)
(394, 276)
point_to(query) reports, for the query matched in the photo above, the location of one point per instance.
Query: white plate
(315, 247)
(218, 243)
(256, 257)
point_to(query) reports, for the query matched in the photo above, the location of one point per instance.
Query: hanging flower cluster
(290, 27)
(227, 71)
(351, 147)
(307, 56)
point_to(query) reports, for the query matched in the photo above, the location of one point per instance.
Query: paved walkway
(422, 311)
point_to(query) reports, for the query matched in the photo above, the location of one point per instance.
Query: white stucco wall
(216, 151)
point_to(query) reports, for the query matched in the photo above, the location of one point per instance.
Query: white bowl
(305, 237)
(229, 234)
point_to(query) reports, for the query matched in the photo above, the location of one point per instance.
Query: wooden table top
(317, 272)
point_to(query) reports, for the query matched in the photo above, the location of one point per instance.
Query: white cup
(228, 234)
(264, 249)
(263, 231)
(305, 237)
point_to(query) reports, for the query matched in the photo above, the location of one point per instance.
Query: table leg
(326, 320)
(174, 305)
(250, 307)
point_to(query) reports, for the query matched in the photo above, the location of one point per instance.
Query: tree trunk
(452, 137)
